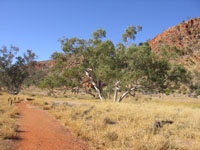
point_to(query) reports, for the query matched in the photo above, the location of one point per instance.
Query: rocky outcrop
(184, 36)
(42, 65)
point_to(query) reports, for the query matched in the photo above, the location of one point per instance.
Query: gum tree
(14, 69)
(96, 60)
(145, 71)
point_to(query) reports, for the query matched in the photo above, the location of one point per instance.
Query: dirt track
(38, 131)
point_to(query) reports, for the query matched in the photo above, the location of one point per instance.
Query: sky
(38, 24)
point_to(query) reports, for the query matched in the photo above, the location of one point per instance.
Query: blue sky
(38, 24)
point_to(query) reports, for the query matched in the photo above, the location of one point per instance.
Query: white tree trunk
(115, 94)
(126, 93)
(116, 90)
(123, 95)
(94, 84)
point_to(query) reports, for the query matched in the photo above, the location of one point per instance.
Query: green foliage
(35, 78)
(179, 74)
(98, 34)
(71, 77)
(195, 88)
(169, 52)
(72, 46)
(168, 91)
(108, 91)
(101, 59)
(130, 33)
(14, 74)
(50, 82)
(130, 64)
(98, 56)
(139, 65)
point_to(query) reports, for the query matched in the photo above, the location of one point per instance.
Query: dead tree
(133, 88)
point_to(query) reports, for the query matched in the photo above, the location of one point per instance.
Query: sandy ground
(39, 131)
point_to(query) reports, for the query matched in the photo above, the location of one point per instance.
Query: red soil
(38, 131)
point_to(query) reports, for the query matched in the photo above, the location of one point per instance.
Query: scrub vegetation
(8, 119)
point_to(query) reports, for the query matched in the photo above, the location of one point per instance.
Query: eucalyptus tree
(130, 33)
(93, 58)
(144, 70)
(129, 67)
(100, 64)
(50, 82)
(14, 69)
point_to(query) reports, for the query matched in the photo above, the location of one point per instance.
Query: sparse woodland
(106, 92)
(102, 68)
(14, 70)
(110, 68)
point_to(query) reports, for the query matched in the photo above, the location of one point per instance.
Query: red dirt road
(39, 131)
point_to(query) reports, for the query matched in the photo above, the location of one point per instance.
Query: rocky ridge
(185, 37)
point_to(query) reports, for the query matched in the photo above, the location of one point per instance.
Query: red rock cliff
(185, 36)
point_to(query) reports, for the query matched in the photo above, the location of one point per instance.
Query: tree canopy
(108, 65)
(14, 69)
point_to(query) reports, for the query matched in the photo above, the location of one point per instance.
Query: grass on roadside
(128, 125)
(8, 117)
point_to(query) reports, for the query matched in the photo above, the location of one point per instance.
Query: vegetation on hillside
(184, 39)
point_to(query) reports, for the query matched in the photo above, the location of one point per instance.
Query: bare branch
(94, 84)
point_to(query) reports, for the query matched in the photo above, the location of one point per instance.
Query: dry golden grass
(133, 120)
(8, 117)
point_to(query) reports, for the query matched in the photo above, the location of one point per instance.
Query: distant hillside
(186, 37)
(71, 61)
(42, 65)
